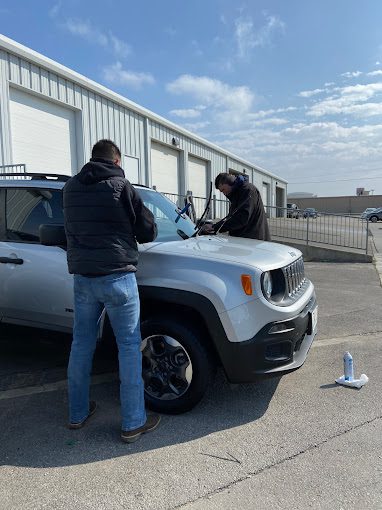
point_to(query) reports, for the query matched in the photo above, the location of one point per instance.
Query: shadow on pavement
(33, 357)
(34, 434)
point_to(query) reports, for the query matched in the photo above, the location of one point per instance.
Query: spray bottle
(348, 367)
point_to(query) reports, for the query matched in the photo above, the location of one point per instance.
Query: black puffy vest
(99, 226)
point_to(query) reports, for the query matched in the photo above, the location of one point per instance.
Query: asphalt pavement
(296, 441)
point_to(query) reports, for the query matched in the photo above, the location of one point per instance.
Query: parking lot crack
(232, 459)
(278, 463)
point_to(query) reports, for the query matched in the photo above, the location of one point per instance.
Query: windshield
(165, 213)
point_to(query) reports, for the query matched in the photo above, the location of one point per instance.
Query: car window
(27, 209)
(165, 213)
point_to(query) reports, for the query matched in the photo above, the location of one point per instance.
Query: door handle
(10, 260)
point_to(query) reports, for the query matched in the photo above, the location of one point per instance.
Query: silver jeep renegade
(205, 300)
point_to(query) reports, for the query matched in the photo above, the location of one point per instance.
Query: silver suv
(205, 300)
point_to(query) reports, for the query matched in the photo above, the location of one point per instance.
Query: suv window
(27, 209)
(165, 213)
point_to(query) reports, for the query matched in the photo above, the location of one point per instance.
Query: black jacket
(246, 217)
(104, 220)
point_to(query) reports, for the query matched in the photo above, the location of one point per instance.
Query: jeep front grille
(294, 275)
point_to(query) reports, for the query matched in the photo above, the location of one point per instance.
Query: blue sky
(294, 86)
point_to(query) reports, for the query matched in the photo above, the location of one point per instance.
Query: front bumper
(279, 346)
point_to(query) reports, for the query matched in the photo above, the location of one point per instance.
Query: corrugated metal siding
(101, 118)
(5, 145)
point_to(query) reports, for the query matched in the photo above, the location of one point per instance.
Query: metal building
(50, 117)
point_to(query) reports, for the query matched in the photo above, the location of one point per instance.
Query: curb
(377, 260)
(314, 253)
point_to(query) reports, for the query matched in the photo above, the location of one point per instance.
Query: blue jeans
(118, 293)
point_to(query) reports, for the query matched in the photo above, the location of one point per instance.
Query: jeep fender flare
(191, 300)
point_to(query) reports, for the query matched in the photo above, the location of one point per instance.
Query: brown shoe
(92, 410)
(129, 436)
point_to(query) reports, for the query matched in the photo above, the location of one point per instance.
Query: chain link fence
(320, 228)
(344, 231)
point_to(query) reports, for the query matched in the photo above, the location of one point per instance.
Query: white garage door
(197, 176)
(164, 168)
(43, 134)
(197, 182)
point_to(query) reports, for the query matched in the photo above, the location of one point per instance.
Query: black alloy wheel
(177, 366)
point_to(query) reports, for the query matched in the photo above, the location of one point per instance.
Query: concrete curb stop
(314, 253)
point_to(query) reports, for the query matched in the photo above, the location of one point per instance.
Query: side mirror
(52, 235)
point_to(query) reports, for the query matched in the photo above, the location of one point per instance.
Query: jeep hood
(263, 255)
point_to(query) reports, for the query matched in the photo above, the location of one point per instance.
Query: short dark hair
(224, 178)
(106, 149)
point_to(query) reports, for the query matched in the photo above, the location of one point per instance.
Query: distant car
(375, 215)
(310, 212)
(367, 211)
(293, 211)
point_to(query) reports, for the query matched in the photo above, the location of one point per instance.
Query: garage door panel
(197, 182)
(197, 176)
(165, 168)
(43, 134)
(265, 193)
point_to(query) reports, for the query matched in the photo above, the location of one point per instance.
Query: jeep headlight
(267, 284)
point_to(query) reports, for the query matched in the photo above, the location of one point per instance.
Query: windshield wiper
(182, 234)
(199, 226)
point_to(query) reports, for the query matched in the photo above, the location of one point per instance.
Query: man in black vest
(246, 217)
(104, 220)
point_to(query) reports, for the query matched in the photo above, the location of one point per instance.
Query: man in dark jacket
(246, 217)
(104, 220)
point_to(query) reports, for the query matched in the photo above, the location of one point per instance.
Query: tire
(374, 219)
(178, 366)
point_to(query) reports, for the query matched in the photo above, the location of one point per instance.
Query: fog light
(280, 327)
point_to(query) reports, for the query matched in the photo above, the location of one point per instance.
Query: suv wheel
(177, 365)
(374, 219)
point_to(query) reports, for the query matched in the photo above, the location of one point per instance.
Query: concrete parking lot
(297, 441)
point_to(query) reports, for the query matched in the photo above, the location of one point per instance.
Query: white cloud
(310, 93)
(120, 48)
(196, 126)
(228, 102)
(92, 34)
(272, 121)
(115, 74)
(186, 113)
(349, 100)
(305, 149)
(247, 38)
(352, 74)
(53, 12)
(264, 113)
(375, 73)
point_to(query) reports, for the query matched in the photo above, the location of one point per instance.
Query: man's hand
(207, 229)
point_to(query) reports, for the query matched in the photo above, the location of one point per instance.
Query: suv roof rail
(141, 185)
(37, 176)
